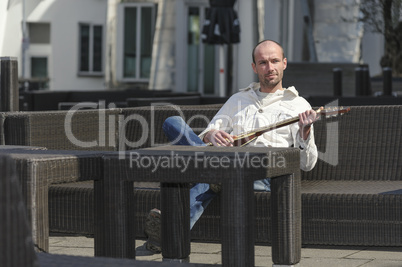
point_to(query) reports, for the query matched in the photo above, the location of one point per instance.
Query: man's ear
(254, 67)
(285, 63)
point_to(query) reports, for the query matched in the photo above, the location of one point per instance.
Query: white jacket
(244, 112)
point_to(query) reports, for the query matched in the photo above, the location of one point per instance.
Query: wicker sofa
(352, 197)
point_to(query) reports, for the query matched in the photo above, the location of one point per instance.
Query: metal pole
(387, 80)
(24, 45)
(9, 91)
(310, 38)
(359, 83)
(365, 82)
(222, 72)
(337, 81)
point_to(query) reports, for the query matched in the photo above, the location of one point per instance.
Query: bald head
(264, 42)
(269, 63)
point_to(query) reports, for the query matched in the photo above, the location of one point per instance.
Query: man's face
(269, 65)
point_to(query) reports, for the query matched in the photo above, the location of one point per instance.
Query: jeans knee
(172, 121)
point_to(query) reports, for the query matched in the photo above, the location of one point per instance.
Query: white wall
(372, 51)
(3, 19)
(337, 37)
(64, 17)
(62, 52)
(163, 72)
(110, 44)
(11, 36)
(272, 20)
(248, 39)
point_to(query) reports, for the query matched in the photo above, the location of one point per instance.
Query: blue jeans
(179, 133)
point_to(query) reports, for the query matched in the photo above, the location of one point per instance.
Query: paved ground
(211, 253)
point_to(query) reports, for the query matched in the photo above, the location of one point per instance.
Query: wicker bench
(352, 197)
(354, 194)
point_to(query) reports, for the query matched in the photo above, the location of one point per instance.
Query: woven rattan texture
(79, 130)
(364, 144)
(236, 182)
(353, 195)
(363, 174)
(16, 246)
(2, 119)
(360, 213)
(70, 212)
(71, 207)
(359, 159)
(37, 169)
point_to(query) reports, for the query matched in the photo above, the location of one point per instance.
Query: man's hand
(219, 138)
(306, 119)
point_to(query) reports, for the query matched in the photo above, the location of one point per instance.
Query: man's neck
(270, 89)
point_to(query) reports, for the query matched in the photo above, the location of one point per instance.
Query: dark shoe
(215, 187)
(153, 231)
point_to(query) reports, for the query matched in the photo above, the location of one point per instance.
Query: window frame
(182, 52)
(120, 40)
(38, 82)
(91, 71)
(33, 39)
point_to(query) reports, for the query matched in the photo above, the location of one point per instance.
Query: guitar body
(244, 141)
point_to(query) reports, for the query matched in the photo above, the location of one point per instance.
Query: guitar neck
(260, 131)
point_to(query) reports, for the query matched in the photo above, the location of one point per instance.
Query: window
(39, 33)
(39, 74)
(90, 49)
(38, 67)
(200, 57)
(138, 30)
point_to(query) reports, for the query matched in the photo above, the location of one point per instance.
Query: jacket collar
(288, 93)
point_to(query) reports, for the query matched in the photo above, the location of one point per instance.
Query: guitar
(245, 138)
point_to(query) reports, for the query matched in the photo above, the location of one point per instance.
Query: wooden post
(9, 89)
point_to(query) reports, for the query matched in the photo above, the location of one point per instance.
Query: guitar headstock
(333, 111)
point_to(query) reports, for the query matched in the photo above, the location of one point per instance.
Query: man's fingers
(227, 137)
(221, 138)
(307, 118)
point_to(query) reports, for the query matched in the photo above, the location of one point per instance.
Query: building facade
(156, 44)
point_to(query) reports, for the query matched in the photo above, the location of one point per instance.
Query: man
(258, 105)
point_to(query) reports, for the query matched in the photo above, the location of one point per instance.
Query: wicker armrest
(37, 169)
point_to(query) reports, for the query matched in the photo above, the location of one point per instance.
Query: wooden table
(177, 166)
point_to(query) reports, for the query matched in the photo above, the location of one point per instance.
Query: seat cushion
(352, 212)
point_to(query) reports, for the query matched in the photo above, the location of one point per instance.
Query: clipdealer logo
(108, 137)
(331, 154)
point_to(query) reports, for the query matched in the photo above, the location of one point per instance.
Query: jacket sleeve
(308, 148)
(221, 121)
